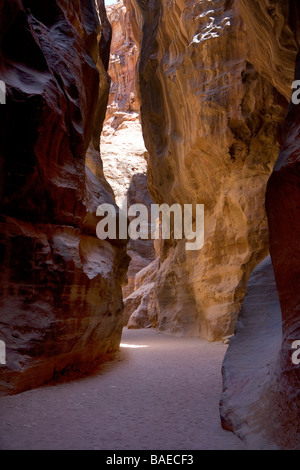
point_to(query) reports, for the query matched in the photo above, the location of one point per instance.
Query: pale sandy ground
(160, 397)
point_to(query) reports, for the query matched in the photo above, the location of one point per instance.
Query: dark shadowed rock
(60, 299)
(283, 209)
(251, 358)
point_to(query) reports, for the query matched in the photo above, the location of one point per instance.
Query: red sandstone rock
(123, 151)
(261, 400)
(61, 301)
(211, 121)
(123, 59)
(283, 209)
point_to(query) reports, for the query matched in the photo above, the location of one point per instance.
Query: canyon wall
(215, 82)
(261, 401)
(123, 151)
(211, 121)
(61, 298)
(123, 59)
(283, 209)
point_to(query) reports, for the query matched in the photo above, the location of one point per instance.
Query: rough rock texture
(60, 299)
(261, 401)
(125, 167)
(210, 121)
(123, 59)
(123, 151)
(139, 310)
(274, 36)
(250, 359)
(283, 208)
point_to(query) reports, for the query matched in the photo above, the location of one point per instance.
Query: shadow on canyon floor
(163, 396)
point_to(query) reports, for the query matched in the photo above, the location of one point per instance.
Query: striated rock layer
(123, 150)
(210, 122)
(261, 400)
(123, 58)
(60, 299)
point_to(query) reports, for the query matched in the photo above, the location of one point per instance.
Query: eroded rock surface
(122, 146)
(61, 299)
(123, 58)
(210, 121)
(251, 359)
(261, 400)
(140, 312)
(283, 208)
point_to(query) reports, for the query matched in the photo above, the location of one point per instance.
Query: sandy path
(161, 397)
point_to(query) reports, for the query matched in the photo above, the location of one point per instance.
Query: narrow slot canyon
(123, 342)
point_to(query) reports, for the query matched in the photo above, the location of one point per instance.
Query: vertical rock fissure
(125, 158)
